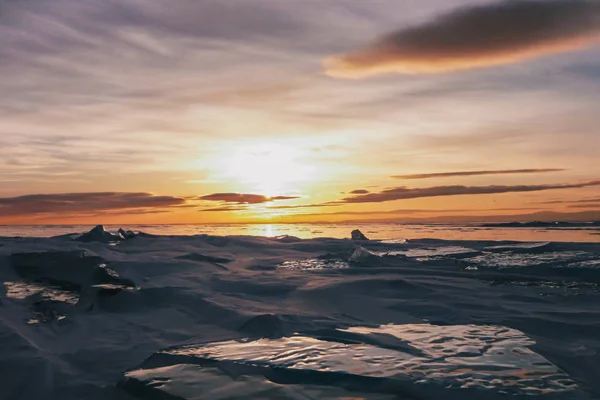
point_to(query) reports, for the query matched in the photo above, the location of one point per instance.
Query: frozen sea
(300, 312)
(557, 232)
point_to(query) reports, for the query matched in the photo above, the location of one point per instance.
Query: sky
(226, 111)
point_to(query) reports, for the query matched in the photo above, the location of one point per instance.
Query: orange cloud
(404, 193)
(474, 173)
(74, 203)
(224, 209)
(243, 198)
(475, 37)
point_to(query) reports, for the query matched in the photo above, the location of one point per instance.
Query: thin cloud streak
(330, 204)
(593, 200)
(475, 173)
(592, 205)
(223, 209)
(243, 198)
(404, 193)
(477, 36)
(548, 216)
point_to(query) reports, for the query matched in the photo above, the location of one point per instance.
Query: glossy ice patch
(313, 264)
(519, 246)
(490, 358)
(554, 288)
(23, 290)
(394, 241)
(593, 264)
(435, 252)
(195, 382)
(510, 259)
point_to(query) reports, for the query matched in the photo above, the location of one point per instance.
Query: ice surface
(99, 234)
(493, 359)
(239, 317)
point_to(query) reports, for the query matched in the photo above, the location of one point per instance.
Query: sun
(270, 169)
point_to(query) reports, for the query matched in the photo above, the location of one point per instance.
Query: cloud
(475, 173)
(73, 203)
(404, 193)
(224, 209)
(550, 216)
(111, 63)
(330, 204)
(241, 198)
(590, 205)
(592, 200)
(360, 191)
(477, 36)
(284, 197)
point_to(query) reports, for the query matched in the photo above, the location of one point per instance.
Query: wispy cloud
(99, 75)
(592, 200)
(300, 206)
(591, 215)
(477, 36)
(589, 205)
(404, 193)
(242, 198)
(475, 173)
(74, 203)
(223, 209)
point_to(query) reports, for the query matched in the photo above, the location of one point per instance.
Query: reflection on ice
(510, 259)
(518, 246)
(194, 382)
(394, 241)
(492, 358)
(313, 264)
(417, 253)
(593, 264)
(23, 290)
(434, 252)
(486, 356)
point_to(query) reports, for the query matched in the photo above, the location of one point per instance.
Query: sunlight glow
(269, 169)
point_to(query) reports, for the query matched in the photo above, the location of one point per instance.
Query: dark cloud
(477, 36)
(242, 198)
(550, 216)
(73, 203)
(476, 173)
(284, 197)
(360, 191)
(404, 193)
